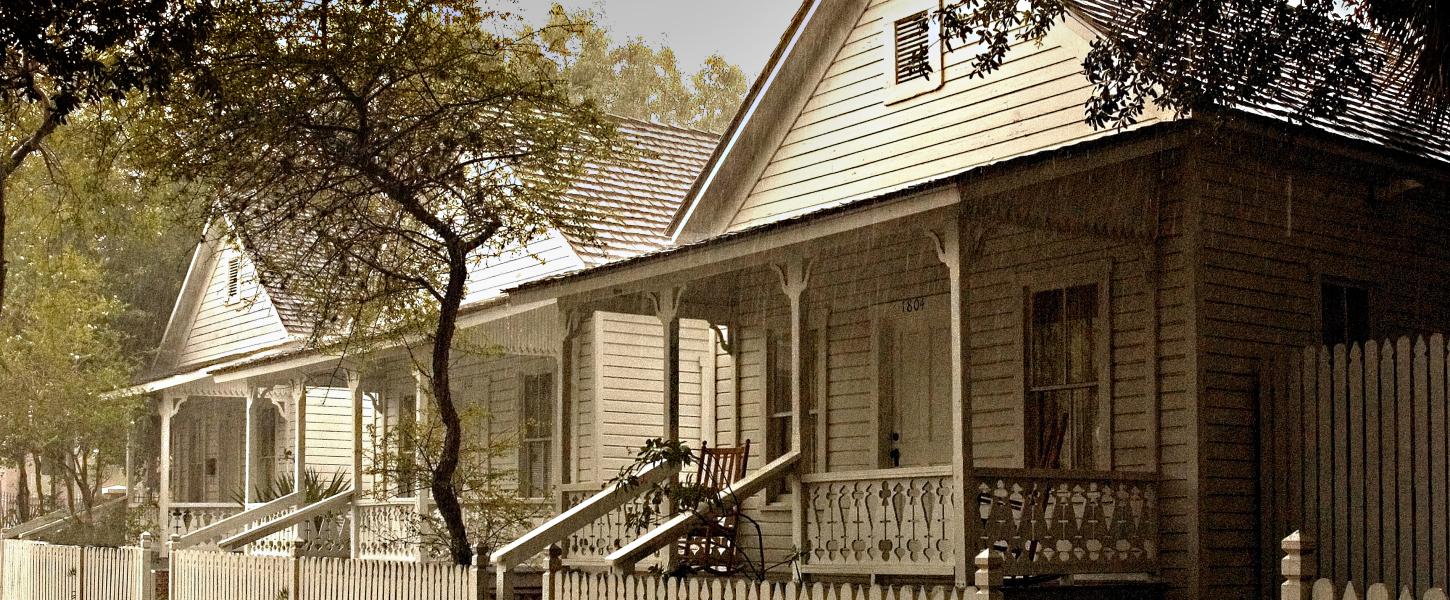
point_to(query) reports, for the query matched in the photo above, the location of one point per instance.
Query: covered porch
(888, 363)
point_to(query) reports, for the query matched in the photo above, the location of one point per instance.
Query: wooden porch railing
(288, 520)
(227, 526)
(385, 529)
(899, 521)
(625, 558)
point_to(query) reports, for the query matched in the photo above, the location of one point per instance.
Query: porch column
(667, 309)
(795, 276)
(169, 405)
(422, 494)
(299, 434)
(958, 243)
(249, 452)
(563, 403)
(354, 391)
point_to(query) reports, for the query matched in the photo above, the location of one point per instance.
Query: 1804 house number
(911, 305)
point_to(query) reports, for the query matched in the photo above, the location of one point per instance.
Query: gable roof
(1383, 120)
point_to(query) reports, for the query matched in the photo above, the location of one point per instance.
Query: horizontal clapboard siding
(546, 255)
(219, 328)
(846, 143)
(1271, 232)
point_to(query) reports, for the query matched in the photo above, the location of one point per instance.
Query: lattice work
(1069, 523)
(880, 521)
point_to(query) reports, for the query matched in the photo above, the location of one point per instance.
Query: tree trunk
(4, 264)
(22, 490)
(445, 492)
(40, 504)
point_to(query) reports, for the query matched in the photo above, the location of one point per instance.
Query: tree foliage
(369, 152)
(57, 56)
(1310, 57)
(638, 80)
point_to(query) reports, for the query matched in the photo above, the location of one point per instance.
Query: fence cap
(1297, 541)
(989, 558)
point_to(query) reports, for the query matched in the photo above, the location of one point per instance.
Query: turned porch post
(169, 405)
(667, 309)
(249, 453)
(299, 434)
(422, 494)
(795, 276)
(957, 245)
(354, 391)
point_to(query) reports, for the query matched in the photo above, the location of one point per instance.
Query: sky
(743, 31)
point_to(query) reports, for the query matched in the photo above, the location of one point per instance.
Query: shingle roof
(628, 203)
(1385, 119)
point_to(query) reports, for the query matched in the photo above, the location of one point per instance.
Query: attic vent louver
(234, 275)
(913, 39)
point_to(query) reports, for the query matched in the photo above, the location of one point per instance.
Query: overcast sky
(743, 31)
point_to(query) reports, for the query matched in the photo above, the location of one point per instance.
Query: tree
(368, 152)
(637, 80)
(1310, 56)
(60, 55)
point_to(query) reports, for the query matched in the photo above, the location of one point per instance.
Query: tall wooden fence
(31, 570)
(207, 575)
(1353, 451)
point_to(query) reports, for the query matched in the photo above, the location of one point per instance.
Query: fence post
(556, 563)
(1297, 567)
(989, 575)
(480, 572)
(146, 568)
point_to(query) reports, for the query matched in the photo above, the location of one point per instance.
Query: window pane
(1045, 356)
(1081, 314)
(779, 372)
(1356, 314)
(1082, 429)
(1331, 305)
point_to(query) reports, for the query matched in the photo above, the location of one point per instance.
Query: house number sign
(911, 305)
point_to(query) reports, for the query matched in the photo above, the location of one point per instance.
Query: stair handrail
(570, 521)
(625, 558)
(237, 522)
(52, 520)
(316, 509)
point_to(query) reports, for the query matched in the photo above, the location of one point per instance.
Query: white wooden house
(233, 365)
(950, 317)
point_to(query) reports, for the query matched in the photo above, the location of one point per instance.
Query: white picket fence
(206, 575)
(1298, 568)
(31, 570)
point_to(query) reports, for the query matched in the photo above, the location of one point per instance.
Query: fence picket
(1439, 478)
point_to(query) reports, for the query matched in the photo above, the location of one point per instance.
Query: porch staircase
(286, 526)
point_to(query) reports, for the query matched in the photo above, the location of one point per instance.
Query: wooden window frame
(1099, 273)
(1371, 293)
(524, 483)
(901, 91)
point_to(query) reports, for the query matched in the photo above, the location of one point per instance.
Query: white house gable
(222, 311)
(547, 255)
(869, 127)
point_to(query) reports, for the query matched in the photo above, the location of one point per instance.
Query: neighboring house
(233, 366)
(950, 289)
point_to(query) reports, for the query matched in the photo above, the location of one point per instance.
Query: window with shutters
(912, 39)
(536, 411)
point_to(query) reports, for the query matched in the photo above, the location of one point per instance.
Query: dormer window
(912, 38)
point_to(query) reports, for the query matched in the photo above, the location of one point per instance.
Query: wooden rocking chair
(709, 546)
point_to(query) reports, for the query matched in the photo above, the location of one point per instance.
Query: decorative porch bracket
(958, 244)
(558, 528)
(624, 559)
(316, 509)
(238, 522)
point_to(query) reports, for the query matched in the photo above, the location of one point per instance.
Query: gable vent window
(234, 274)
(911, 37)
(912, 42)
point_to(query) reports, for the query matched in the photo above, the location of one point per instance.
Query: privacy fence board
(1353, 446)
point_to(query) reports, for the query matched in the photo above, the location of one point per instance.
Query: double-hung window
(536, 404)
(1063, 378)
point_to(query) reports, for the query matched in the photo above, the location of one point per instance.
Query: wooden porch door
(919, 361)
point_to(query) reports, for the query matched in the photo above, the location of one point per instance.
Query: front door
(920, 382)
